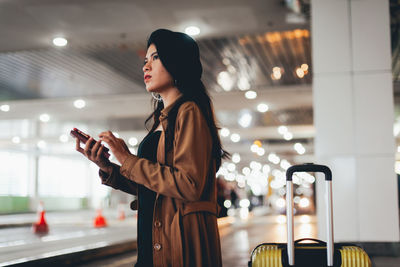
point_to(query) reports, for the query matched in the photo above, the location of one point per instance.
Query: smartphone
(83, 139)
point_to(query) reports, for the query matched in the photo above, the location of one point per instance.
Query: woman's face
(156, 77)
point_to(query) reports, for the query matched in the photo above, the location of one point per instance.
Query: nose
(146, 67)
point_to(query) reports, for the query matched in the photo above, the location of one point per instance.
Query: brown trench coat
(185, 231)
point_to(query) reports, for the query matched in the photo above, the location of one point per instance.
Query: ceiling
(103, 60)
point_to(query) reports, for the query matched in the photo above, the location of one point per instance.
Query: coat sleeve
(191, 162)
(118, 181)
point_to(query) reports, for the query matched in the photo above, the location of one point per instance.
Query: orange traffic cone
(121, 212)
(40, 227)
(99, 221)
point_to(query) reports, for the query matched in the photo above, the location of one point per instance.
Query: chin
(151, 90)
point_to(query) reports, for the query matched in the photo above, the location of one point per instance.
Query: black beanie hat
(179, 54)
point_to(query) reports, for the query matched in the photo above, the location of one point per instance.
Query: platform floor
(238, 238)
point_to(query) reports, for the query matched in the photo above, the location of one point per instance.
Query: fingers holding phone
(94, 152)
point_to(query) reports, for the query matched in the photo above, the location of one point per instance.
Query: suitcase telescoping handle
(309, 167)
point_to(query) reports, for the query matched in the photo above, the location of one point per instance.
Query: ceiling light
(223, 171)
(285, 164)
(276, 69)
(235, 137)
(282, 129)
(60, 41)
(260, 151)
(304, 202)
(244, 203)
(300, 73)
(16, 139)
(262, 107)
(288, 136)
(41, 144)
(255, 165)
(192, 30)
(272, 157)
(44, 117)
(226, 61)
(256, 189)
(243, 84)
(224, 79)
(246, 171)
(299, 148)
(266, 168)
(231, 167)
(254, 148)
(258, 143)
(245, 120)
(297, 179)
(80, 103)
(133, 141)
(236, 158)
(301, 151)
(276, 73)
(231, 69)
(304, 67)
(250, 94)
(5, 108)
(240, 178)
(225, 132)
(64, 138)
(230, 177)
(227, 203)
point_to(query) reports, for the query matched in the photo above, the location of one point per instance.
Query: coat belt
(200, 206)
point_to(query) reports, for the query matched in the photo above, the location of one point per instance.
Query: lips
(147, 77)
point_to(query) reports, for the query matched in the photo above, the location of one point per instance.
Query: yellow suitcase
(275, 255)
(318, 253)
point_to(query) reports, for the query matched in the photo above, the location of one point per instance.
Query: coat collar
(165, 111)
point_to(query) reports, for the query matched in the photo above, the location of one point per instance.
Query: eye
(144, 62)
(155, 57)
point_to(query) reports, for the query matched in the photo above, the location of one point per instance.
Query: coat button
(157, 224)
(157, 246)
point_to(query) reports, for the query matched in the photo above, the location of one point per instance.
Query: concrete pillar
(354, 116)
(35, 198)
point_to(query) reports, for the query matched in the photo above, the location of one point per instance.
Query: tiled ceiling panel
(247, 60)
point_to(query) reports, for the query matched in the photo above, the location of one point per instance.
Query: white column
(354, 116)
(35, 198)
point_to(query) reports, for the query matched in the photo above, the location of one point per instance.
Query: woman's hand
(94, 154)
(117, 146)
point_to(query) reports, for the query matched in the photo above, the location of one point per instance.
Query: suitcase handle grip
(310, 239)
(309, 167)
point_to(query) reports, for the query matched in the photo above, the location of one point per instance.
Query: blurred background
(66, 64)
(258, 74)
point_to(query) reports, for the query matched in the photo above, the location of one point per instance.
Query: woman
(174, 172)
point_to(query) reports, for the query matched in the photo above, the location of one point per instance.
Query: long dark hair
(203, 101)
(170, 43)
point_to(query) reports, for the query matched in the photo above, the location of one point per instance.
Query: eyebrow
(151, 54)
